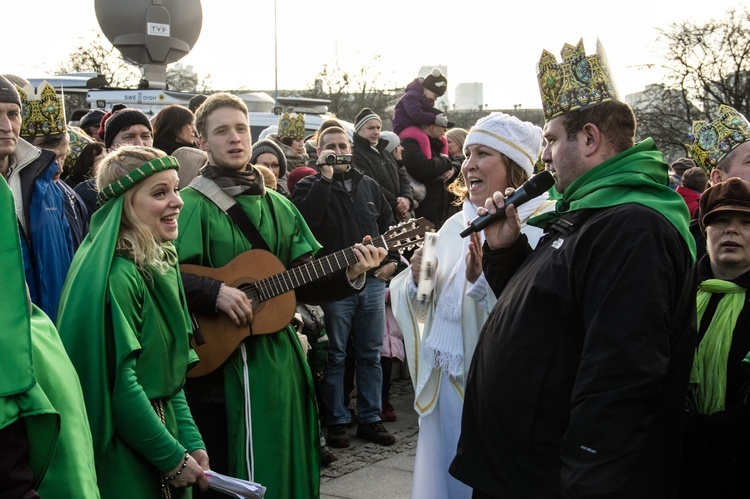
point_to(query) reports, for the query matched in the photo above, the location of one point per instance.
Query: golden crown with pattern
(42, 111)
(578, 82)
(78, 140)
(710, 142)
(293, 128)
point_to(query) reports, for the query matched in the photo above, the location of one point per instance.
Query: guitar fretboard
(265, 289)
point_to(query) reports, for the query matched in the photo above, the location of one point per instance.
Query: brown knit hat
(730, 195)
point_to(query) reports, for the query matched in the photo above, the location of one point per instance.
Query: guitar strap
(228, 205)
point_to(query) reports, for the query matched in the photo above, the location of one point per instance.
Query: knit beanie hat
(8, 92)
(106, 116)
(269, 146)
(364, 116)
(195, 102)
(120, 119)
(436, 82)
(392, 139)
(92, 118)
(298, 174)
(520, 141)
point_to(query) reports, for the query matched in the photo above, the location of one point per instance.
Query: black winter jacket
(437, 206)
(339, 218)
(577, 385)
(381, 166)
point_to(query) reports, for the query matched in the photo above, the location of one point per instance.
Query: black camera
(337, 159)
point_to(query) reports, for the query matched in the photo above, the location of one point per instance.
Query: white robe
(439, 432)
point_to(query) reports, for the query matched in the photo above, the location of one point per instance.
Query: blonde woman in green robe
(124, 323)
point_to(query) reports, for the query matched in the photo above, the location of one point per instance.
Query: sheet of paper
(235, 487)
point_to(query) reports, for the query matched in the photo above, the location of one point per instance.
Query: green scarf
(709, 374)
(638, 175)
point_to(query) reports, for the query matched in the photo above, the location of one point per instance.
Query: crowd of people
(591, 342)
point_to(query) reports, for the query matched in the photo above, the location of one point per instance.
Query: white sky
(497, 42)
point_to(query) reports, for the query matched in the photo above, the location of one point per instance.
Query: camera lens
(330, 159)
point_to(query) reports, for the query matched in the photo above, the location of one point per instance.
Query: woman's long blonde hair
(136, 240)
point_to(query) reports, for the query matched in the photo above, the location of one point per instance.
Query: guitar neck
(278, 284)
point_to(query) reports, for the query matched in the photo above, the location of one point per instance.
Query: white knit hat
(519, 140)
(392, 139)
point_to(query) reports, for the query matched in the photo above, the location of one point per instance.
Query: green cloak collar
(638, 175)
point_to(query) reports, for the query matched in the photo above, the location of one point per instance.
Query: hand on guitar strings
(368, 256)
(236, 305)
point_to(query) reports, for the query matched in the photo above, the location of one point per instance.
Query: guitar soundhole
(247, 285)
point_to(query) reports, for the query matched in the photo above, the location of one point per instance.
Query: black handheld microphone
(535, 186)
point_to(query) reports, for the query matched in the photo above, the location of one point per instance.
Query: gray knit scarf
(236, 182)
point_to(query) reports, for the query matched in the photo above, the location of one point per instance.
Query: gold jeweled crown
(42, 111)
(78, 140)
(710, 142)
(578, 82)
(291, 127)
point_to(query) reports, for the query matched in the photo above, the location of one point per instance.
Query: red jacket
(691, 197)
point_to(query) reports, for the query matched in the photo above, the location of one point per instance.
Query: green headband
(140, 174)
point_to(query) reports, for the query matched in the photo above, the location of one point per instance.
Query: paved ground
(370, 471)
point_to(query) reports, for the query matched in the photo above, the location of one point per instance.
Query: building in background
(469, 96)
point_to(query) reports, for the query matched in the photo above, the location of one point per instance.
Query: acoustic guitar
(270, 287)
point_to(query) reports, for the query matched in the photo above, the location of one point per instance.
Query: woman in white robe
(441, 332)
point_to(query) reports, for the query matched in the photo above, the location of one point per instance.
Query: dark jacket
(76, 214)
(577, 386)
(86, 190)
(339, 218)
(437, 205)
(413, 108)
(715, 460)
(381, 166)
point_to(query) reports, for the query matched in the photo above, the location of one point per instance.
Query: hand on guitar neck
(368, 257)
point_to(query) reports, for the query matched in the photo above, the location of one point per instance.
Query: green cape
(38, 382)
(638, 175)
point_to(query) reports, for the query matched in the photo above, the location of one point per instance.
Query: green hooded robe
(128, 337)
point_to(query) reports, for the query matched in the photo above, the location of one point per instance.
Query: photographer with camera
(342, 206)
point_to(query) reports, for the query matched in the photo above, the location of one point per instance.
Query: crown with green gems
(291, 127)
(578, 82)
(118, 187)
(710, 142)
(78, 140)
(42, 111)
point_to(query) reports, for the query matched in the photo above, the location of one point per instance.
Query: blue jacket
(46, 241)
